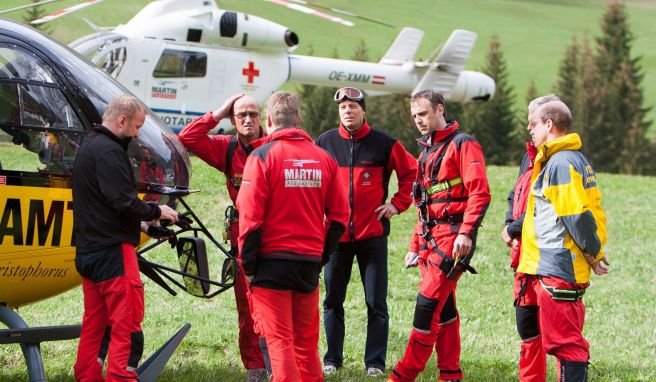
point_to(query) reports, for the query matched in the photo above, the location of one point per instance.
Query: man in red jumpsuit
(227, 153)
(452, 195)
(532, 358)
(292, 211)
(107, 218)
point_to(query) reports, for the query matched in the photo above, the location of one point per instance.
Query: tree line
(599, 80)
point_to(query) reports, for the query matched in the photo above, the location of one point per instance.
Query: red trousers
(561, 323)
(432, 329)
(249, 345)
(291, 326)
(532, 357)
(115, 305)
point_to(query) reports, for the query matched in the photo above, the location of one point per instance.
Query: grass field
(619, 323)
(533, 33)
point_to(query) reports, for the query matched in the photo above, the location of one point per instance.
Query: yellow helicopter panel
(37, 258)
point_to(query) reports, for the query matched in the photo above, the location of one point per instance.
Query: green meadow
(533, 33)
(619, 321)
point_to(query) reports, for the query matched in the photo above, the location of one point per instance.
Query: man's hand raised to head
(224, 110)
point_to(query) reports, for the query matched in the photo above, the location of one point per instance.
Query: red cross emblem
(251, 72)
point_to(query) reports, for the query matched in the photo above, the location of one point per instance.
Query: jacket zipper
(351, 223)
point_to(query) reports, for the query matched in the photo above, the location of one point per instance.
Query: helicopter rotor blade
(311, 11)
(343, 12)
(27, 6)
(65, 11)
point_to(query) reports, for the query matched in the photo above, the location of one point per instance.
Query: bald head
(558, 113)
(245, 117)
(246, 100)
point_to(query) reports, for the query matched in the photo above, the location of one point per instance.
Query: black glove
(158, 232)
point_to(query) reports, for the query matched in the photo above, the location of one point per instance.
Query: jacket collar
(437, 135)
(357, 134)
(124, 143)
(532, 151)
(566, 142)
(286, 134)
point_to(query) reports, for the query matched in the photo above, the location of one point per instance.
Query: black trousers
(371, 255)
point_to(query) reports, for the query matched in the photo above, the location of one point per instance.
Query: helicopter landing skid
(30, 339)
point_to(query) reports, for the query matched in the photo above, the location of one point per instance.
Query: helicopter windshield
(39, 113)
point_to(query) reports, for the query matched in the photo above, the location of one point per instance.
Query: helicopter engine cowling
(210, 27)
(241, 30)
(473, 86)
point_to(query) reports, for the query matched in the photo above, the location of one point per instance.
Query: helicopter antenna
(65, 11)
(27, 6)
(347, 13)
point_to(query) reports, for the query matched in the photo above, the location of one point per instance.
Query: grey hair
(536, 103)
(558, 113)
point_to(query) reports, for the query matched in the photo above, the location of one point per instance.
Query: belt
(570, 295)
(450, 219)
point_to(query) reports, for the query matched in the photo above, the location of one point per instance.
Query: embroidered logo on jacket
(300, 177)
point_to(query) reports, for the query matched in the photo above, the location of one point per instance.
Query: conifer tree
(569, 86)
(493, 122)
(33, 13)
(617, 138)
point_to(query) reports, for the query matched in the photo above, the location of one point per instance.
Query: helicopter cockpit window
(181, 64)
(35, 114)
(17, 64)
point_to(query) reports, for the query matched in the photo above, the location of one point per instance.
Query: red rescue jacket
(366, 159)
(289, 185)
(517, 202)
(467, 200)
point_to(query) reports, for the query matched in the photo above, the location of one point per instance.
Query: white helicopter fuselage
(185, 58)
(181, 81)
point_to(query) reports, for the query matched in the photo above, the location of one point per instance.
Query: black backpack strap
(232, 146)
(437, 163)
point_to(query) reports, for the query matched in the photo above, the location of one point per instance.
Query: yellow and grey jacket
(564, 218)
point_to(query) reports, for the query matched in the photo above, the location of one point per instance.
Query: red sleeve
(405, 166)
(251, 202)
(474, 178)
(211, 149)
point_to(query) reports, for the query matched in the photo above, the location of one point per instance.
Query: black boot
(573, 371)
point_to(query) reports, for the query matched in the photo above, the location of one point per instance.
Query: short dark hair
(433, 96)
(558, 113)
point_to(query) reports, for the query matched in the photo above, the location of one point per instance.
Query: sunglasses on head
(351, 94)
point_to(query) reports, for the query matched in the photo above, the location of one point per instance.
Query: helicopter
(50, 98)
(180, 56)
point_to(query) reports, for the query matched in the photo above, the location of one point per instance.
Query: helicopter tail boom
(397, 72)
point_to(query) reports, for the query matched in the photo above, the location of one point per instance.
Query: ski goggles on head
(351, 94)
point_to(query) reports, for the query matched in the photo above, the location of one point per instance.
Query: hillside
(533, 33)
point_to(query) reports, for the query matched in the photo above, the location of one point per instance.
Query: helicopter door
(179, 79)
